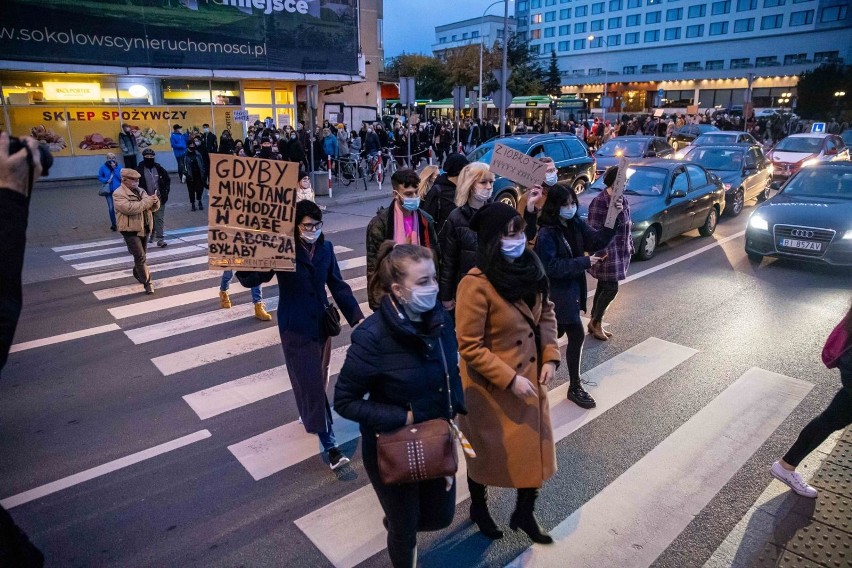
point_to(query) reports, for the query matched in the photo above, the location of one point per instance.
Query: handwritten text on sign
(517, 166)
(251, 213)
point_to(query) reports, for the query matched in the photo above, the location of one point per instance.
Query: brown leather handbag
(422, 451)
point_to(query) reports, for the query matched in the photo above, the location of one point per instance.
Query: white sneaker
(794, 480)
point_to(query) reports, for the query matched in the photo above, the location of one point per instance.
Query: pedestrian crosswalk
(630, 522)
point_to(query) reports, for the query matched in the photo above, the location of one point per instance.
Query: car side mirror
(678, 193)
(774, 189)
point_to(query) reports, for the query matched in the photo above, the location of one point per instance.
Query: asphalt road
(77, 404)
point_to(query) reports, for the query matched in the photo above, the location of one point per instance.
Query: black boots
(479, 510)
(524, 517)
(578, 395)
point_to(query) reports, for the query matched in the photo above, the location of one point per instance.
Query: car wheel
(580, 186)
(736, 206)
(754, 257)
(648, 244)
(763, 195)
(508, 198)
(709, 226)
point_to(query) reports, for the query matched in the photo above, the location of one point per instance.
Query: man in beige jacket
(133, 209)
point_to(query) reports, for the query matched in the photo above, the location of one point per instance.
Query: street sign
(818, 127)
(606, 102)
(498, 75)
(459, 95)
(241, 115)
(312, 97)
(406, 91)
(474, 99)
(661, 92)
(571, 104)
(497, 98)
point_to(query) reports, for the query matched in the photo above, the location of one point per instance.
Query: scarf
(571, 232)
(400, 236)
(521, 279)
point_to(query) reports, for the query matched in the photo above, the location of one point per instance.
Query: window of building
(718, 28)
(634, 4)
(744, 25)
(550, 16)
(564, 30)
(455, 37)
(547, 48)
(768, 61)
(795, 58)
(631, 38)
(614, 23)
(474, 34)
(549, 32)
(564, 13)
(598, 8)
(722, 7)
(650, 68)
(549, 2)
(833, 13)
(442, 40)
(634, 20)
(614, 5)
(535, 34)
(800, 1)
(613, 40)
(771, 22)
(651, 36)
(692, 66)
(580, 28)
(773, 3)
(740, 63)
(523, 5)
(500, 33)
(802, 18)
(596, 42)
(669, 67)
(714, 64)
(697, 11)
(695, 31)
(743, 5)
(653, 17)
(562, 46)
(823, 56)
(536, 18)
(579, 44)
(535, 48)
(464, 35)
(629, 70)
(596, 25)
(581, 11)
(674, 14)
(535, 4)
(653, 2)
(523, 21)
(672, 33)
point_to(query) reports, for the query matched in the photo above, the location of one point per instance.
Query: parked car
(719, 138)
(743, 168)
(633, 147)
(574, 161)
(684, 135)
(667, 198)
(846, 136)
(810, 218)
(796, 150)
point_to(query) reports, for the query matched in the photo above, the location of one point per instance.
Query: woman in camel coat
(507, 342)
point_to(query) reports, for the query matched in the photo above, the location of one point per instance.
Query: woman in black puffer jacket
(458, 241)
(395, 358)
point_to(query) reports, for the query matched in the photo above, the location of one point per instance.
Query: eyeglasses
(310, 226)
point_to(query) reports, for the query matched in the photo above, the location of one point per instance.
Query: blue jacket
(400, 368)
(104, 174)
(330, 146)
(302, 297)
(178, 142)
(566, 268)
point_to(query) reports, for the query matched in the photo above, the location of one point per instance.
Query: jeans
(111, 209)
(256, 296)
(181, 166)
(327, 438)
(137, 247)
(574, 349)
(159, 218)
(409, 508)
(605, 293)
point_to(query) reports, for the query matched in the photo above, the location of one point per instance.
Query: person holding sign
(562, 241)
(134, 210)
(616, 260)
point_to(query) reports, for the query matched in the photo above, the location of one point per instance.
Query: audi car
(719, 138)
(743, 168)
(633, 147)
(798, 150)
(810, 219)
(684, 135)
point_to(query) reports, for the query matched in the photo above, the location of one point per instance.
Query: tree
(526, 71)
(816, 90)
(552, 84)
(430, 81)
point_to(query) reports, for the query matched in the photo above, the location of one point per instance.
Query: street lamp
(481, 36)
(606, 71)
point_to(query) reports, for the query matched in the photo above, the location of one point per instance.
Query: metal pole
(603, 108)
(408, 136)
(505, 68)
(479, 101)
(311, 142)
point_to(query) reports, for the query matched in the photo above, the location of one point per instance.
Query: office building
(486, 29)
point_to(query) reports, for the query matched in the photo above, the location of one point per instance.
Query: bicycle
(390, 162)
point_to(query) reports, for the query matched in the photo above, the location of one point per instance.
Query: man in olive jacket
(133, 209)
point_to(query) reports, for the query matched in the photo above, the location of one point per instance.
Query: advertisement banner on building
(310, 36)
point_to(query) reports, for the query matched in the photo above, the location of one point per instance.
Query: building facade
(74, 71)
(686, 54)
(485, 30)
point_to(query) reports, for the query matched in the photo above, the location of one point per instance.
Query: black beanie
(454, 164)
(491, 220)
(609, 175)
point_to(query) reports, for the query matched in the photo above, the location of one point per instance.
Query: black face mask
(191, 149)
(148, 162)
(266, 152)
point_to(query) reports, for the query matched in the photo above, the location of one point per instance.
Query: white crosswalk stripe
(105, 242)
(128, 273)
(127, 259)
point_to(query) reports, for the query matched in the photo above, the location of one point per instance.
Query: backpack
(836, 345)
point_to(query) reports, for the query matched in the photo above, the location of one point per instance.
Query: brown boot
(607, 333)
(261, 313)
(225, 299)
(595, 330)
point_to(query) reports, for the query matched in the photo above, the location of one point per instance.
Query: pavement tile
(773, 556)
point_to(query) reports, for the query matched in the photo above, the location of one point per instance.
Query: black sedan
(667, 198)
(810, 219)
(633, 147)
(684, 135)
(743, 168)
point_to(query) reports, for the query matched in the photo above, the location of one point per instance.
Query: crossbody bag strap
(447, 377)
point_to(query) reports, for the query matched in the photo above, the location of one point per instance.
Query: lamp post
(603, 108)
(481, 37)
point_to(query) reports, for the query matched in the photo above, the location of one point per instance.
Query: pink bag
(836, 345)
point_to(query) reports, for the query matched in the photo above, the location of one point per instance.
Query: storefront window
(226, 92)
(186, 92)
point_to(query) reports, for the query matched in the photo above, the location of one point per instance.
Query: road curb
(351, 199)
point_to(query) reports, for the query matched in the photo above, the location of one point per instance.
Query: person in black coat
(562, 241)
(155, 179)
(402, 356)
(440, 200)
(458, 241)
(226, 142)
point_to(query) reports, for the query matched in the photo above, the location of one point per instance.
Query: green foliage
(552, 82)
(526, 71)
(816, 90)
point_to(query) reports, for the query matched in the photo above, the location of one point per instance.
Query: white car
(797, 150)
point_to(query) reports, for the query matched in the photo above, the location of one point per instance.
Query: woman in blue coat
(402, 356)
(301, 307)
(108, 173)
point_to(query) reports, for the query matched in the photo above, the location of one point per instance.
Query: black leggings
(574, 350)
(605, 293)
(195, 190)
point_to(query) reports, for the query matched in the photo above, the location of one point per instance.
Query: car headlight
(848, 234)
(759, 223)
(810, 162)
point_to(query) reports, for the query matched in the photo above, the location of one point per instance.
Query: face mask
(513, 248)
(292, 137)
(149, 162)
(568, 211)
(551, 178)
(483, 195)
(266, 152)
(206, 130)
(311, 237)
(423, 298)
(411, 203)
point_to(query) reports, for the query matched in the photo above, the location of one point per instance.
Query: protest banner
(517, 166)
(251, 215)
(617, 191)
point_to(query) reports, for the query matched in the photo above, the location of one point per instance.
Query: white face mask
(311, 237)
(483, 195)
(423, 298)
(550, 178)
(513, 248)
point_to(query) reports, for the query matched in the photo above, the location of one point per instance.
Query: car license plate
(806, 245)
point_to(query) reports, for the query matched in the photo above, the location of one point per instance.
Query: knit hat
(302, 175)
(129, 173)
(491, 220)
(609, 175)
(454, 164)
(148, 152)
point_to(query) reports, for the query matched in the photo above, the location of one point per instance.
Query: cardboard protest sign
(517, 166)
(617, 191)
(252, 213)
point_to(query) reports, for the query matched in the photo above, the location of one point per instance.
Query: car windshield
(821, 182)
(804, 144)
(645, 181)
(702, 128)
(719, 159)
(484, 152)
(714, 138)
(630, 148)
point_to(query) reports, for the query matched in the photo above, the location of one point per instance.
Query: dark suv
(573, 160)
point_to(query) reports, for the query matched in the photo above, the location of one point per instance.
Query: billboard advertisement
(304, 36)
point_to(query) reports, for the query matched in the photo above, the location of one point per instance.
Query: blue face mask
(423, 298)
(551, 178)
(513, 248)
(411, 203)
(311, 237)
(568, 211)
